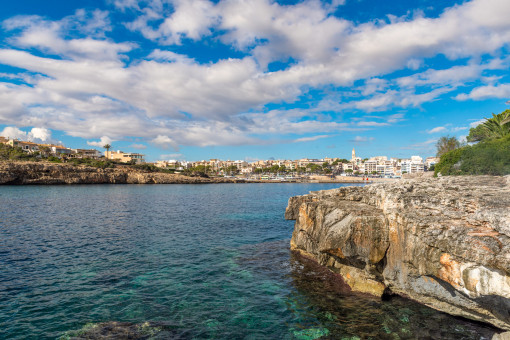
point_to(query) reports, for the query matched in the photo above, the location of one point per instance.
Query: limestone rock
(56, 173)
(444, 242)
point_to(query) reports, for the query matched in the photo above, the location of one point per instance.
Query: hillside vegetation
(489, 156)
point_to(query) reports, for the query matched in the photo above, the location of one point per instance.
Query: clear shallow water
(211, 260)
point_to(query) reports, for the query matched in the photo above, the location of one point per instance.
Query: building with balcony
(125, 157)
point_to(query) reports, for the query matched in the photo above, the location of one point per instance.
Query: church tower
(353, 154)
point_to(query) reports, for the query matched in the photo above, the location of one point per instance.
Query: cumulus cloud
(165, 142)
(80, 81)
(102, 142)
(39, 135)
(484, 92)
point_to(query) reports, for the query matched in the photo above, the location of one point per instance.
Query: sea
(207, 261)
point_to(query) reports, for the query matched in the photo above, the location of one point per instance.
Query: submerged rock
(442, 242)
(125, 330)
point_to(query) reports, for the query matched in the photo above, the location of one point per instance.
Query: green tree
(492, 128)
(274, 168)
(491, 157)
(45, 151)
(445, 144)
(107, 147)
(233, 170)
(314, 168)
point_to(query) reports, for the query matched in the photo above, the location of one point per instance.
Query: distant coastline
(47, 173)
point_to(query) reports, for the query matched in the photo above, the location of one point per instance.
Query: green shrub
(491, 157)
(16, 154)
(54, 159)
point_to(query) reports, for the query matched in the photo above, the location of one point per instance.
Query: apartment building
(125, 157)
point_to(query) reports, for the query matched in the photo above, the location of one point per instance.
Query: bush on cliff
(8, 153)
(490, 157)
(103, 164)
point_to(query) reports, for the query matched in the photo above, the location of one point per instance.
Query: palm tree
(498, 126)
(492, 128)
(107, 147)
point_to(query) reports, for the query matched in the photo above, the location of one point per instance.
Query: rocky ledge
(444, 242)
(52, 173)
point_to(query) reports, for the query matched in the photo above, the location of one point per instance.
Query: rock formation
(55, 173)
(444, 242)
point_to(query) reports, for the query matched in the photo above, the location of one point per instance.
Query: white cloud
(310, 139)
(476, 123)
(437, 130)
(447, 128)
(40, 135)
(372, 124)
(484, 92)
(92, 88)
(165, 142)
(102, 142)
(360, 139)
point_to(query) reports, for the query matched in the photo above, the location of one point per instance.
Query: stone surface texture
(56, 173)
(444, 242)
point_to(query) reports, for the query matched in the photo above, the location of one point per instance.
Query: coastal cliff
(444, 242)
(51, 173)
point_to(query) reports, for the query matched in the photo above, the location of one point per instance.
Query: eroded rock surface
(444, 242)
(51, 173)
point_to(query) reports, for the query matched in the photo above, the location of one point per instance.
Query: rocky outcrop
(444, 242)
(51, 173)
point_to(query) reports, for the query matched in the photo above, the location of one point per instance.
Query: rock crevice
(444, 242)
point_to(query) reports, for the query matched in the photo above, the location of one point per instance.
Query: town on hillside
(379, 166)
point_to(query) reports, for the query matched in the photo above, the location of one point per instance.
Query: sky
(252, 79)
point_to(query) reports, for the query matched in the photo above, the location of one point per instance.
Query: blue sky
(234, 79)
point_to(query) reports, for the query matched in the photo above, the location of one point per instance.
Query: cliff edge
(444, 242)
(51, 173)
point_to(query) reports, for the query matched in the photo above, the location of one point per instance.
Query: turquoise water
(212, 261)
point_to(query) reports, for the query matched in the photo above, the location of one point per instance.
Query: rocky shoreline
(26, 173)
(444, 242)
(41, 173)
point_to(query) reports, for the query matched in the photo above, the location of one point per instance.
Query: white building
(413, 165)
